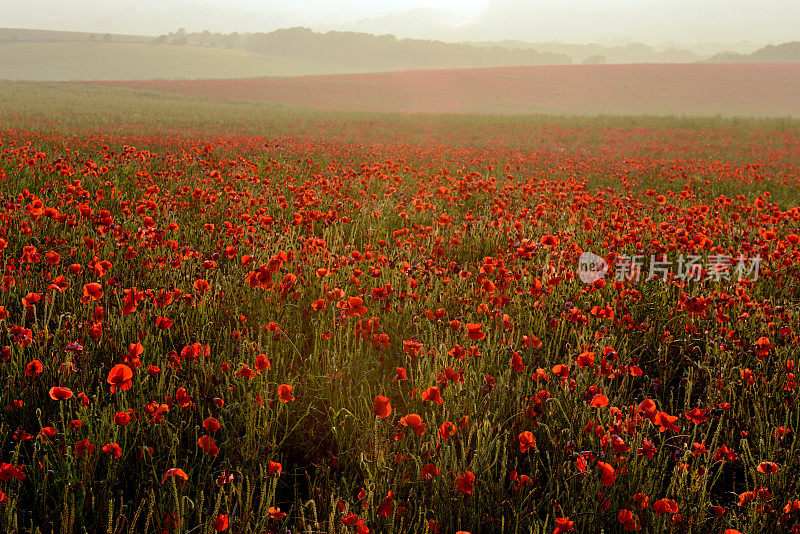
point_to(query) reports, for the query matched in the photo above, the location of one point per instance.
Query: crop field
(746, 89)
(244, 317)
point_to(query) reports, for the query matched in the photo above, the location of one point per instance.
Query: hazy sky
(580, 21)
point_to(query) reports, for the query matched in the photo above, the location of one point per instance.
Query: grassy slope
(121, 108)
(25, 34)
(135, 61)
(646, 89)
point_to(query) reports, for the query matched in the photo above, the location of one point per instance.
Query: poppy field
(370, 326)
(654, 89)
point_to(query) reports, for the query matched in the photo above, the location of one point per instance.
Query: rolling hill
(64, 56)
(64, 61)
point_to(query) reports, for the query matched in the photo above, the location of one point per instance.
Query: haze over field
(699, 89)
(578, 21)
(130, 40)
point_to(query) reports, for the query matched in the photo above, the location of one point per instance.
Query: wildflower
(120, 377)
(122, 418)
(526, 441)
(432, 394)
(92, 291)
(221, 523)
(474, 331)
(174, 472)
(465, 482)
(285, 393)
(34, 368)
(563, 524)
(208, 445)
(60, 393)
(606, 473)
(274, 468)
(663, 506)
(382, 407)
(113, 449)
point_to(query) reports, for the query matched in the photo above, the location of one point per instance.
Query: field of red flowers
(743, 89)
(239, 333)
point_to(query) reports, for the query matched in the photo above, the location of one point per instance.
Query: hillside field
(137, 60)
(659, 89)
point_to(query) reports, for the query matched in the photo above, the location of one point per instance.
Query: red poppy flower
(211, 424)
(767, 467)
(122, 418)
(208, 445)
(429, 471)
(201, 286)
(432, 394)
(792, 506)
(59, 393)
(30, 299)
(182, 398)
(33, 368)
(92, 291)
(599, 400)
(113, 449)
(526, 441)
(400, 374)
(382, 407)
(285, 393)
(275, 513)
(628, 520)
(120, 377)
(273, 468)
(465, 482)
(355, 307)
(606, 473)
(447, 430)
(174, 472)
(414, 421)
(516, 362)
(641, 500)
(385, 509)
(246, 372)
(666, 422)
(563, 524)
(83, 447)
(664, 506)
(262, 363)
(550, 240)
(47, 433)
(585, 359)
(474, 331)
(696, 416)
(221, 523)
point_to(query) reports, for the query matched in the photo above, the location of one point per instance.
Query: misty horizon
(573, 21)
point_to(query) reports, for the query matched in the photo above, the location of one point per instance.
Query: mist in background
(654, 22)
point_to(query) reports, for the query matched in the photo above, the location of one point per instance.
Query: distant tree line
(364, 50)
(376, 52)
(782, 53)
